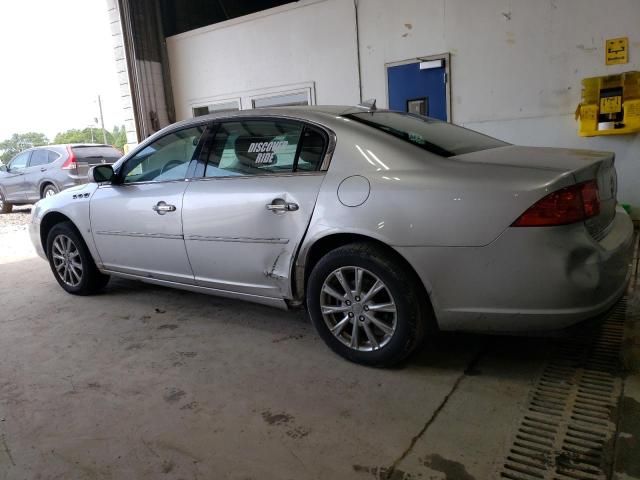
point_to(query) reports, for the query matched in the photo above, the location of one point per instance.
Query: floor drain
(569, 423)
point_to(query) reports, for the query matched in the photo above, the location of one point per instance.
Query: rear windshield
(95, 154)
(437, 137)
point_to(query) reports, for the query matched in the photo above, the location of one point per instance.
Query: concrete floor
(148, 382)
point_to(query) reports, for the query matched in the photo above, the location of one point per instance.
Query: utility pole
(104, 132)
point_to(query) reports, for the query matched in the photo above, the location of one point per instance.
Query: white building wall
(290, 45)
(123, 75)
(516, 65)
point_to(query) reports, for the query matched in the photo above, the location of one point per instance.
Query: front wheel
(4, 206)
(365, 305)
(71, 262)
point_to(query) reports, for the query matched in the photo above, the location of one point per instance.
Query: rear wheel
(4, 206)
(49, 191)
(365, 305)
(71, 262)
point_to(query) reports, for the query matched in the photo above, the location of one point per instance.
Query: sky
(56, 57)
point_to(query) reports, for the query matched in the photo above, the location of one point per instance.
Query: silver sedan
(385, 225)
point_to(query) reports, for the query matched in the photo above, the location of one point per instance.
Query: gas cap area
(353, 191)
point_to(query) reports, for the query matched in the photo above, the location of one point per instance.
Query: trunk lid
(88, 156)
(583, 165)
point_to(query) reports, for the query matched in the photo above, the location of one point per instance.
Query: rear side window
(39, 157)
(314, 144)
(263, 147)
(95, 154)
(253, 147)
(52, 156)
(433, 135)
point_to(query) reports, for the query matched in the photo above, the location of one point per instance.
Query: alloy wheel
(358, 308)
(49, 192)
(67, 260)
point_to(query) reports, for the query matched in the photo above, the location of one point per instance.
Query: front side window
(38, 157)
(253, 147)
(20, 162)
(166, 159)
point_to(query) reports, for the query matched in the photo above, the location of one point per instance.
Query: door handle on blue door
(280, 205)
(43, 169)
(163, 207)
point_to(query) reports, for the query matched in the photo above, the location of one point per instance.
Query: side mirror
(101, 173)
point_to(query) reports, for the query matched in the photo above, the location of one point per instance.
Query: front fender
(74, 204)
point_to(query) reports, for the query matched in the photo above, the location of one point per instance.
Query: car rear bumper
(529, 279)
(74, 180)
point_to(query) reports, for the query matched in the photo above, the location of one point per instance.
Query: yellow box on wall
(610, 105)
(617, 51)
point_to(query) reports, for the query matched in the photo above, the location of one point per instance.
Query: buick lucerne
(385, 225)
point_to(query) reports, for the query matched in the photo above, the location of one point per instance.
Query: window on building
(217, 107)
(283, 100)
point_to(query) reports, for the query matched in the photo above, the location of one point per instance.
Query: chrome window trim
(148, 182)
(264, 175)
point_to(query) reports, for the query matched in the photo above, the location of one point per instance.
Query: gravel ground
(14, 238)
(16, 220)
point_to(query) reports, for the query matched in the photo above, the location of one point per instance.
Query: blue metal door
(418, 91)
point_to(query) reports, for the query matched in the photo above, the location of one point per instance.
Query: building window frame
(216, 106)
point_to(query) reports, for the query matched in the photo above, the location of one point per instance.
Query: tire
(400, 320)
(71, 262)
(49, 190)
(4, 206)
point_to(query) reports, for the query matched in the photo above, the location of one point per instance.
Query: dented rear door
(245, 218)
(235, 242)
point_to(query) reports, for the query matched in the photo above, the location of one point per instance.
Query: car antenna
(369, 105)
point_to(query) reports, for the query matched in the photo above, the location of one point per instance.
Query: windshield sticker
(267, 150)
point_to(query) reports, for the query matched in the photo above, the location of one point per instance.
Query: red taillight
(70, 163)
(567, 205)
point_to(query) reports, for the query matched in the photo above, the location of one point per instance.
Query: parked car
(44, 171)
(386, 225)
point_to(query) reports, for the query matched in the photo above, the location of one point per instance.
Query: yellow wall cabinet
(610, 105)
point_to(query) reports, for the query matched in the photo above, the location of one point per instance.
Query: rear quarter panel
(420, 199)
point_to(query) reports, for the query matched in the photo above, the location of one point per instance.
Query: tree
(88, 135)
(119, 137)
(19, 142)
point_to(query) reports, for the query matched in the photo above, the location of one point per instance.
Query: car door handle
(279, 205)
(43, 169)
(163, 207)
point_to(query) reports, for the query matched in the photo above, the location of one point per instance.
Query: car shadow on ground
(441, 350)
